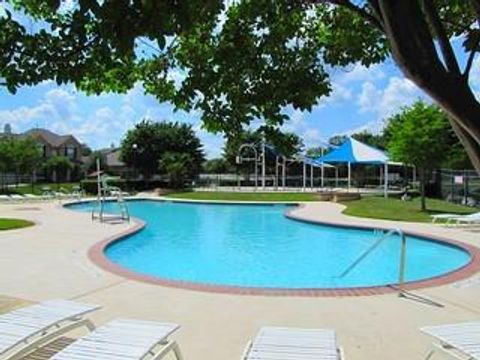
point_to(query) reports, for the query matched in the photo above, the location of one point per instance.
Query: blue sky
(361, 99)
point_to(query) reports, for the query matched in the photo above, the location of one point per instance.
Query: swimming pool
(257, 246)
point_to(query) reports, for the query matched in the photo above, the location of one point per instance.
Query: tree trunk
(414, 51)
(423, 201)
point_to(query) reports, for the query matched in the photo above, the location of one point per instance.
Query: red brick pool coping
(97, 255)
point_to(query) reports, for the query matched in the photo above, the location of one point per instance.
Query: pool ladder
(403, 254)
(98, 211)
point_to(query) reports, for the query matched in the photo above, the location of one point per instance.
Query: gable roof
(51, 138)
(112, 156)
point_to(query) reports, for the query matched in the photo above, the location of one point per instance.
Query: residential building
(52, 144)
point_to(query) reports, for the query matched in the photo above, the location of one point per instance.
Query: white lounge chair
(274, 343)
(447, 217)
(17, 197)
(124, 339)
(453, 217)
(25, 329)
(461, 341)
(468, 219)
(32, 197)
(5, 198)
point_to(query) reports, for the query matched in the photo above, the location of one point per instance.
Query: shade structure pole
(322, 175)
(284, 172)
(263, 164)
(386, 180)
(311, 176)
(304, 174)
(99, 186)
(276, 173)
(322, 171)
(349, 175)
(336, 176)
(256, 173)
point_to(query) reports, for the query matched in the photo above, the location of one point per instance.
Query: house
(52, 144)
(113, 164)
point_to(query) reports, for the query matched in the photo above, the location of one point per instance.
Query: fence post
(465, 187)
(452, 192)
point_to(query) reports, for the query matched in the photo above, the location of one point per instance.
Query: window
(71, 152)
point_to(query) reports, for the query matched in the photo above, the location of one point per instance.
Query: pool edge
(97, 255)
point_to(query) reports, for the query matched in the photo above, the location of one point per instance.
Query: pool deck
(50, 260)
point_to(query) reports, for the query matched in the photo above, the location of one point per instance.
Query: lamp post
(322, 168)
(134, 148)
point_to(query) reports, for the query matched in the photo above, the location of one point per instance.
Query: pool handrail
(403, 254)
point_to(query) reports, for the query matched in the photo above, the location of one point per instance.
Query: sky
(362, 98)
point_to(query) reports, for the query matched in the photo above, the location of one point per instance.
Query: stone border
(97, 255)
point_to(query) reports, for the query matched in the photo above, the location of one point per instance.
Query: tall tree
(177, 166)
(59, 166)
(249, 60)
(217, 166)
(6, 158)
(144, 146)
(26, 155)
(419, 136)
(374, 140)
(284, 143)
(19, 156)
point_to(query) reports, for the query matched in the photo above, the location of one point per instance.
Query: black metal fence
(459, 186)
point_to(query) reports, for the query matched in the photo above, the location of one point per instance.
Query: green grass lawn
(37, 188)
(396, 209)
(237, 196)
(369, 207)
(10, 224)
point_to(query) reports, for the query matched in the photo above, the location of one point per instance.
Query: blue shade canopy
(314, 162)
(354, 152)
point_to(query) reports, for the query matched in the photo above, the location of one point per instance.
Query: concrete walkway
(50, 260)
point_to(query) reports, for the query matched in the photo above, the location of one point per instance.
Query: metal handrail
(403, 254)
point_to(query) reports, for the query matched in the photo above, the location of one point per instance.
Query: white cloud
(57, 104)
(360, 73)
(398, 93)
(373, 127)
(340, 93)
(311, 135)
(99, 120)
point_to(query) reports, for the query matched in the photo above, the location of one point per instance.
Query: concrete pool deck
(50, 260)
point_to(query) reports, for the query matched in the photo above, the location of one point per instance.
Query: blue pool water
(257, 246)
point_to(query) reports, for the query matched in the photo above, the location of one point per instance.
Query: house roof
(53, 139)
(112, 156)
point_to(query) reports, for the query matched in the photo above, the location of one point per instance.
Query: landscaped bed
(10, 224)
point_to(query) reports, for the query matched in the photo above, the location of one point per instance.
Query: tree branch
(356, 9)
(428, 7)
(476, 8)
